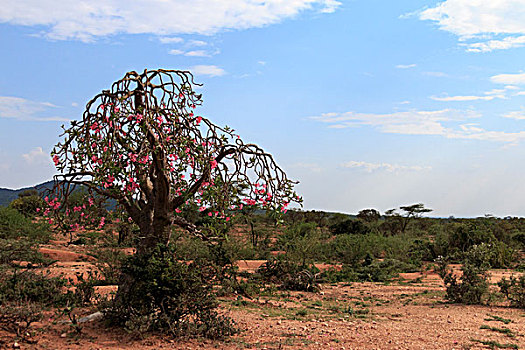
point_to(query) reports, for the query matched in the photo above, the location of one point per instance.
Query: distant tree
(368, 215)
(413, 211)
(28, 202)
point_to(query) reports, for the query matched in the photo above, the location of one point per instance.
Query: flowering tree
(141, 144)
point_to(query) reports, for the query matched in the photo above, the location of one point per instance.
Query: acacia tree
(141, 144)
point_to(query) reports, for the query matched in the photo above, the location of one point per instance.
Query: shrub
(301, 243)
(383, 271)
(290, 275)
(352, 249)
(349, 226)
(17, 284)
(370, 271)
(472, 286)
(514, 290)
(27, 203)
(15, 225)
(168, 296)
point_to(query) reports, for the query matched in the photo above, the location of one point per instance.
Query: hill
(7, 195)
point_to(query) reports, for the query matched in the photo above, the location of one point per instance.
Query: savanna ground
(407, 313)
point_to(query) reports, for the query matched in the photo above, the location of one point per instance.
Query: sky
(368, 103)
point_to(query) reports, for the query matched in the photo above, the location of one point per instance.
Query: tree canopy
(142, 144)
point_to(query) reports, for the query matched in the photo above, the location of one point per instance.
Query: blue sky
(369, 104)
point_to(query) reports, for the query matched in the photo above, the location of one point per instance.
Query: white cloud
(330, 6)
(436, 74)
(511, 79)
(176, 52)
(209, 70)
(170, 40)
(197, 53)
(410, 122)
(405, 66)
(481, 26)
(197, 43)
(465, 98)
(518, 115)
(487, 95)
(421, 123)
(37, 156)
(20, 108)
(86, 21)
(491, 45)
(370, 167)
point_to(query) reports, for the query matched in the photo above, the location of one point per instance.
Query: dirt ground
(404, 314)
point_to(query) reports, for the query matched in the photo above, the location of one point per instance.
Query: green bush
(15, 225)
(370, 271)
(302, 243)
(472, 286)
(27, 203)
(290, 275)
(352, 249)
(160, 293)
(18, 284)
(514, 290)
(349, 226)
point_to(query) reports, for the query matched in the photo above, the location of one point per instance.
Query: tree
(368, 215)
(413, 211)
(141, 144)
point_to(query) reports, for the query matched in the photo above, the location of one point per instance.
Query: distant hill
(7, 195)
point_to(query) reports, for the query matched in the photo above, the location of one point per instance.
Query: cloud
(410, 122)
(197, 53)
(518, 115)
(197, 43)
(370, 167)
(330, 6)
(176, 52)
(170, 40)
(481, 26)
(487, 96)
(209, 70)
(436, 74)
(193, 53)
(510, 79)
(37, 156)
(87, 21)
(421, 123)
(20, 108)
(491, 45)
(465, 98)
(405, 66)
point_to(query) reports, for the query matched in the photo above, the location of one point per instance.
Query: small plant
(514, 290)
(508, 332)
(168, 296)
(17, 318)
(472, 286)
(497, 318)
(495, 345)
(290, 275)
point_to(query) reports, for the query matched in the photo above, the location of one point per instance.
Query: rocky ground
(409, 313)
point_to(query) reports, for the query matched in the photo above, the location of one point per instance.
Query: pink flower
(213, 164)
(56, 159)
(199, 119)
